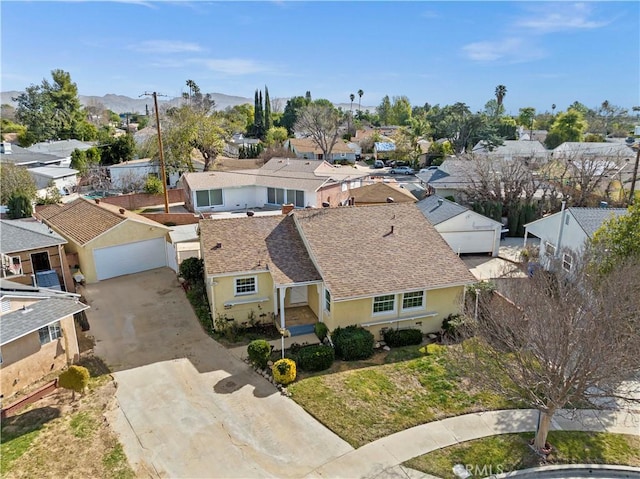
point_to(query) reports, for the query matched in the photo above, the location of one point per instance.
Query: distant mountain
(124, 104)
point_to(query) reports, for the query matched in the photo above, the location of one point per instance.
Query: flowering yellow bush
(284, 371)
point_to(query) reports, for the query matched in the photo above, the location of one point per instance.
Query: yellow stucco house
(380, 266)
(37, 334)
(109, 241)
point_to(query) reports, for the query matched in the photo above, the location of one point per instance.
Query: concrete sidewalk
(382, 458)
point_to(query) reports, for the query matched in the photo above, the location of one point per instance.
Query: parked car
(378, 164)
(425, 170)
(402, 170)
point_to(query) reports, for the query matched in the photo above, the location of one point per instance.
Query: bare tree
(320, 123)
(555, 341)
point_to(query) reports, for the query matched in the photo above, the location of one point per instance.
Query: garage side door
(129, 258)
(470, 241)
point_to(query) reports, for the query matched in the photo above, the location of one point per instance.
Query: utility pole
(161, 153)
(635, 176)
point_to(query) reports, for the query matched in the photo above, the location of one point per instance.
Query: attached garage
(465, 231)
(129, 258)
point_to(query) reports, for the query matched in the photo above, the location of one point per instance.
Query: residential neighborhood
(313, 275)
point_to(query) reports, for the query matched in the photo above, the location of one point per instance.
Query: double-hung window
(327, 300)
(246, 285)
(384, 304)
(50, 333)
(549, 249)
(413, 300)
(206, 198)
(567, 262)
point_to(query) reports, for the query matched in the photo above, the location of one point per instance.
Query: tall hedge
(352, 343)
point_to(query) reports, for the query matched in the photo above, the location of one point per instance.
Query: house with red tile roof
(380, 266)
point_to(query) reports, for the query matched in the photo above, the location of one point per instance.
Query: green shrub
(192, 270)
(284, 371)
(259, 351)
(321, 330)
(317, 357)
(76, 378)
(153, 185)
(402, 337)
(452, 326)
(352, 343)
(19, 206)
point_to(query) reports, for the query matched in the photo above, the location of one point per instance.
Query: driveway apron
(186, 406)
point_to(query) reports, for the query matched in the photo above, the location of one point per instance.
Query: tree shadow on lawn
(26, 422)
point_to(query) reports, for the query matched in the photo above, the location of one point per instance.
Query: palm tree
(352, 97)
(360, 93)
(501, 92)
(553, 108)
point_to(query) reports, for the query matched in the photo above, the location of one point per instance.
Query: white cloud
(557, 17)
(232, 66)
(165, 46)
(142, 3)
(510, 50)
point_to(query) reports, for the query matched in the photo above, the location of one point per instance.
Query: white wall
(473, 222)
(121, 177)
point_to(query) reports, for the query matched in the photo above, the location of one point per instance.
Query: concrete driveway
(186, 406)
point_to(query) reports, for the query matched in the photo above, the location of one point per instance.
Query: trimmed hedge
(284, 371)
(402, 337)
(321, 331)
(259, 351)
(352, 343)
(317, 357)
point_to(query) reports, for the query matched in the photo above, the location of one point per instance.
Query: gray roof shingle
(437, 209)
(21, 235)
(590, 219)
(17, 324)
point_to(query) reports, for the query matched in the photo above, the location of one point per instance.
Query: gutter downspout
(563, 215)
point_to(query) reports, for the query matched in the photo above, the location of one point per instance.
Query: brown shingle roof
(358, 254)
(304, 145)
(82, 220)
(255, 244)
(379, 192)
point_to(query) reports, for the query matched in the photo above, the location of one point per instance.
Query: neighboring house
(563, 235)
(530, 152)
(65, 180)
(465, 231)
(33, 254)
(109, 241)
(132, 175)
(18, 156)
(375, 266)
(60, 149)
(37, 334)
(611, 151)
(183, 243)
(238, 141)
(450, 179)
(308, 149)
(303, 183)
(534, 135)
(381, 193)
(382, 148)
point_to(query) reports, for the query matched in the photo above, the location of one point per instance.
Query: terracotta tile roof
(83, 220)
(358, 255)
(255, 244)
(379, 192)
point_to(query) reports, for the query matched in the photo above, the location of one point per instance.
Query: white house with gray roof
(564, 235)
(464, 230)
(61, 149)
(531, 152)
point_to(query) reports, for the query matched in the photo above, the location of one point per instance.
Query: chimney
(287, 208)
(121, 211)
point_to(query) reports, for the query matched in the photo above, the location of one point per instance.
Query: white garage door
(129, 258)
(470, 241)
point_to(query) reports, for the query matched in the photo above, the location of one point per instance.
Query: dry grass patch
(369, 403)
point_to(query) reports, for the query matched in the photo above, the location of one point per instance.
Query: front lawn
(510, 452)
(366, 404)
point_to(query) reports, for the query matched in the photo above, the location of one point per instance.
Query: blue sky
(436, 52)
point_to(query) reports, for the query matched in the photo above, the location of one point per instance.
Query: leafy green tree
(493, 109)
(15, 180)
(527, 117)
(19, 206)
(153, 185)
(76, 378)
(462, 128)
(320, 123)
(617, 240)
(276, 136)
(400, 111)
(291, 110)
(239, 118)
(268, 122)
(568, 126)
(117, 149)
(384, 111)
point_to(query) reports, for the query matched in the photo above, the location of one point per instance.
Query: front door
(298, 295)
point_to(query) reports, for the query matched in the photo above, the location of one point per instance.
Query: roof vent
(217, 246)
(440, 201)
(97, 200)
(390, 200)
(325, 204)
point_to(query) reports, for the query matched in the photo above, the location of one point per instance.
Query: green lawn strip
(83, 424)
(115, 463)
(14, 446)
(510, 452)
(366, 404)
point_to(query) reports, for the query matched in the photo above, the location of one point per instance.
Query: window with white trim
(11, 266)
(549, 249)
(327, 300)
(246, 285)
(413, 300)
(280, 196)
(384, 304)
(344, 186)
(50, 333)
(567, 262)
(355, 184)
(209, 198)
